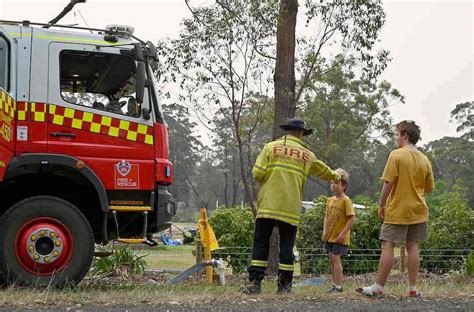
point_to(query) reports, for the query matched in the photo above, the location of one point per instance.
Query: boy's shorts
(400, 233)
(336, 249)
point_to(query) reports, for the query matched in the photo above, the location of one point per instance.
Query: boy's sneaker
(416, 293)
(334, 289)
(370, 292)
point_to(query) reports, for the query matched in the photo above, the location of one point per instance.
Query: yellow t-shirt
(338, 212)
(412, 175)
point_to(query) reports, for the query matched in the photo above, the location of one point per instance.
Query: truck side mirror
(140, 82)
(152, 50)
(138, 52)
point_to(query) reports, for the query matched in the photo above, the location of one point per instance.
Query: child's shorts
(336, 249)
(399, 233)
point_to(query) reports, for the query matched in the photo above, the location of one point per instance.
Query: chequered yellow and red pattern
(86, 121)
(7, 104)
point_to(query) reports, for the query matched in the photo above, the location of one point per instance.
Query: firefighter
(281, 170)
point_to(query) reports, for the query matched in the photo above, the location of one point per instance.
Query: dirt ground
(276, 305)
(149, 293)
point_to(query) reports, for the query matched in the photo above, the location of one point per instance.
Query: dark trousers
(261, 244)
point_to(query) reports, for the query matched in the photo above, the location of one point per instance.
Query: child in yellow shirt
(338, 221)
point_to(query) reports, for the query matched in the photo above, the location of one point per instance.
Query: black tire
(70, 218)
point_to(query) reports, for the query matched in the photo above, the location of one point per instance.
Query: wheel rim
(43, 246)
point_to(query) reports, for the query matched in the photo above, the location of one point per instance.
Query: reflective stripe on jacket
(281, 170)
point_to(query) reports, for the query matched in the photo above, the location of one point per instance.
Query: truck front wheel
(45, 241)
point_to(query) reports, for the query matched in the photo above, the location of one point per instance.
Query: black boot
(284, 289)
(254, 287)
(285, 279)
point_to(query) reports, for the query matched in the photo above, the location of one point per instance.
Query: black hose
(66, 10)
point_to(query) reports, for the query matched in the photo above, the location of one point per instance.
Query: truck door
(93, 114)
(7, 106)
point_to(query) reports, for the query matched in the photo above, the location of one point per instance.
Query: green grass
(169, 257)
(197, 291)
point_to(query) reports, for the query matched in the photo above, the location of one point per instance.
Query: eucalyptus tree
(217, 61)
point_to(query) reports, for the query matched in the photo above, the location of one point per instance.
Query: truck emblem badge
(123, 167)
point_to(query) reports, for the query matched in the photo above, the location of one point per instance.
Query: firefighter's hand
(324, 238)
(381, 213)
(340, 238)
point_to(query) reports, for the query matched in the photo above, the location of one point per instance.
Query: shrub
(451, 232)
(469, 264)
(123, 262)
(364, 235)
(234, 228)
(308, 239)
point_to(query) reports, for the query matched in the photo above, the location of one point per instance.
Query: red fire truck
(83, 148)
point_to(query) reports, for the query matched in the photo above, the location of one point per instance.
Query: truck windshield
(99, 80)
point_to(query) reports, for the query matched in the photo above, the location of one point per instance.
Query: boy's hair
(344, 177)
(410, 128)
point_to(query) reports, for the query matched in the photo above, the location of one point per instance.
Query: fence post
(207, 245)
(198, 252)
(402, 258)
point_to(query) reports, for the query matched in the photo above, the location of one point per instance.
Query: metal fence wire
(314, 261)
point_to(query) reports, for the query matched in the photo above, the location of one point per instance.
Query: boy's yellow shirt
(411, 174)
(338, 212)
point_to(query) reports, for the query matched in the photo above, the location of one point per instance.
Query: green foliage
(234, 228)
(453, 160)
(357, 24)
(469, 264)
(308, 239)
(123, 261)
(454, 226)
(184, 152)
(364, 235)
(451, 227)
(463, 115)
(223, 78)
(347, 112)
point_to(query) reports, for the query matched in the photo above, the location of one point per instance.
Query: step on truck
(83, 148)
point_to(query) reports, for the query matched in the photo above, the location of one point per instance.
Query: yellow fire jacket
(281, 170)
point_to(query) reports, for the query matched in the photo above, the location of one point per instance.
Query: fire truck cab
(83, 148)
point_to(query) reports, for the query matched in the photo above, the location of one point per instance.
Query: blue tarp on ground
(165, 239)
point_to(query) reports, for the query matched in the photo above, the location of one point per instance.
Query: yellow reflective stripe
(55, 38)
(255, 169)
(289, 171)
(283, 213)
(279, 164)
(58, 117)
(259, 168)
(260, 263)
(286, 267)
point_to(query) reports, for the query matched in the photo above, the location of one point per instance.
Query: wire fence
(314, 261)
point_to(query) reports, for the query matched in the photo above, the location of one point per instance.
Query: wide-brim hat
(296, 124)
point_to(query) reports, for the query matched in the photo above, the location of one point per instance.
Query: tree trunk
(250, 162)
(284, 84)
(247, 187)
(235, 180)
(226, 161)
(284, 77)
